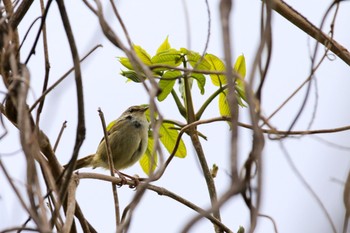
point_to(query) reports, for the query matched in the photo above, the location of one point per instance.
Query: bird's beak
(144, 109)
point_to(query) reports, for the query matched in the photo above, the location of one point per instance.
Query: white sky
(149, 22)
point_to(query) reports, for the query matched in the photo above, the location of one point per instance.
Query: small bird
(128, 139)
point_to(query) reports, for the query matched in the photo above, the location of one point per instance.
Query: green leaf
(200, 81)
(164, 46)
(240, 66)
(216, 65)
(184, 51)
(170, 57)
(131, 75)
(149, 160)
(223, 104)
(167, 82)
(143, 55)
(193, 58)
(125, 62)
(168, 137)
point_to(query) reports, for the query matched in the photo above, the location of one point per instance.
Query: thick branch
(301, 22)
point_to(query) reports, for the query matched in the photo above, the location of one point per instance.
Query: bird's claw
(124, 179)
(136, 182)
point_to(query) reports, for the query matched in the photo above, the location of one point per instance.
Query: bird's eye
(129, 117)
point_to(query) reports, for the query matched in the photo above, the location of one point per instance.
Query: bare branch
(111, 168)
(300, 21)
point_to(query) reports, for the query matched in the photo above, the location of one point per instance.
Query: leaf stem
(208, 101)
(179, 105)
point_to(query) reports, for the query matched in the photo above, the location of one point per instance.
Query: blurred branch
(272, 221)
(225, 12)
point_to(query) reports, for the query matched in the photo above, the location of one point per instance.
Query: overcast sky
(285, 198)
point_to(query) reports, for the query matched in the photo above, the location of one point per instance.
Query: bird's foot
(122, 177)
(124, 180)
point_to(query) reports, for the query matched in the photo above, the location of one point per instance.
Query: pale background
(149, 22)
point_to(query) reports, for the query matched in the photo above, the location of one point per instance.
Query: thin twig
(48, 90)
(64, 125)
(125, 30)
(232, 190)
(160, 191)
(111, 168)
(18, 194)
(47, 64)
(307, 186)
(272, 221)
(43, 19)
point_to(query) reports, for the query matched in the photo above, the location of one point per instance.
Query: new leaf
(167, 82)
(168, 136)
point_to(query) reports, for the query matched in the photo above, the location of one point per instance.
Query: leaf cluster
(170, 65)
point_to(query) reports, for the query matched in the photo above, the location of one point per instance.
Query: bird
(128, 139)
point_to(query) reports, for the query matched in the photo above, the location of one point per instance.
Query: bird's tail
(83, 162)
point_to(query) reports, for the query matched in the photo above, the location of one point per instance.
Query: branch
(29, 144)
(20, 13)
(80, 134)
(160, 191)
(71, 203)
(47, 64)
(301, 22)
(111, 168)
(47, 91)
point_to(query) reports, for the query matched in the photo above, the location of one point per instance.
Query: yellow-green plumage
(128, 139)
